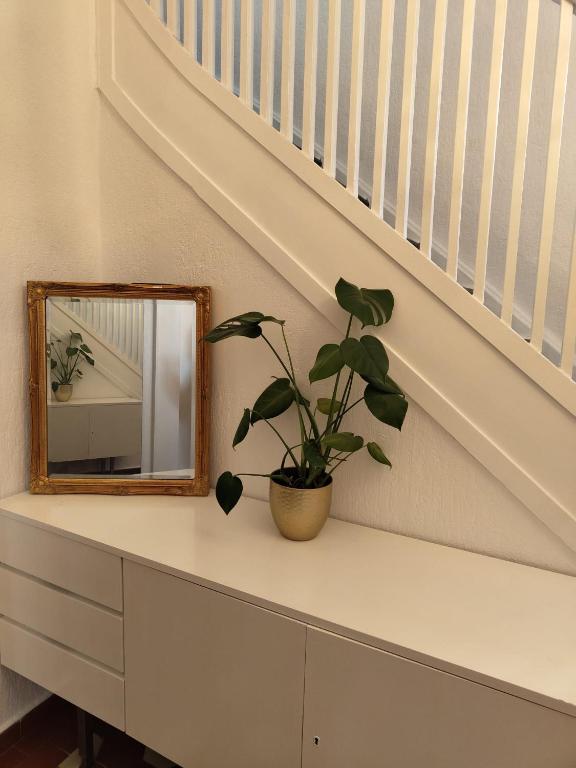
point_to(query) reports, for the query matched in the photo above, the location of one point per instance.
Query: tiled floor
(47, 736)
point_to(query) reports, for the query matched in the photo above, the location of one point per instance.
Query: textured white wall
(49, 212)
(145, 224)
(155, 228)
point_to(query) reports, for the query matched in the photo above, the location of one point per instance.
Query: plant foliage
(66, 357)
(323, 445)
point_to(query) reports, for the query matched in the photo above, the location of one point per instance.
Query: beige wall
(155, 228)
(84, 199)
(49, 214)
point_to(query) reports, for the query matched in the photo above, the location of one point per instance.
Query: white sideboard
(221, 645)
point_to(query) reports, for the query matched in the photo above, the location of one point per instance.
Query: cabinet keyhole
(316, 740)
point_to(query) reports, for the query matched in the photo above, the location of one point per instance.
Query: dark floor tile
(10, 736)
(12, 758)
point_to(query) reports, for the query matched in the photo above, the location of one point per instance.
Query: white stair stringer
(110, 365)
(506, 404)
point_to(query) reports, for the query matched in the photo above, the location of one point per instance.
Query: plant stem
(335, 390)
(298, 400)
(306, 408)
(360, 399)
(273, 428)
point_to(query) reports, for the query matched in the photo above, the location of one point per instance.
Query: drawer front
(84, 683)
(69, 564)
(82, 626)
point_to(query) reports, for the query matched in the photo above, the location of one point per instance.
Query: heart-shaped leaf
(53, 364)
(388, 385)
(389, 409)
(243, 428)
(313, 455)
(366, 356)
(275, 399)
(378, 454)
(71, 351)
(343, 441)
(371, 306)
(328, 362)
(228, 491)
(324, 404)
(85, 348)
(247, 325)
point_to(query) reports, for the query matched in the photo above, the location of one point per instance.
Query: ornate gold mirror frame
(40, 480)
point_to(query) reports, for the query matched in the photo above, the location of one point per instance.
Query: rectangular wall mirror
(119, 388)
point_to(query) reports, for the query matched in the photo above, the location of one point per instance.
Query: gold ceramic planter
(300, 513)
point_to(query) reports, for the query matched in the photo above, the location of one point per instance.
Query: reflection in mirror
(121, 387)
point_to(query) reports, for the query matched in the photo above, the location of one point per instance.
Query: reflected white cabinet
(365, 708)
(211, 681)
(80, 430)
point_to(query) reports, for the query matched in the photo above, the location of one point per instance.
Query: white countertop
(501, 624)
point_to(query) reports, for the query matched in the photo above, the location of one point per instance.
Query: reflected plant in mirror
(66, 358)
(301, 487)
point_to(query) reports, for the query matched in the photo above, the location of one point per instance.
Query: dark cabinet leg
(85, 739)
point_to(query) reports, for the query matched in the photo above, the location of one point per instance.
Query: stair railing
(446, 118)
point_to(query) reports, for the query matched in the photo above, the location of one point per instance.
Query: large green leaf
(328, 362)
(371, 306)
(71, 351)
(85, 348)
(243, 428)
(324, 403)
(228, 491)
(378, 454)
(343, 441)
(313, 456)
(366, 356)
(388, 385)
(247, 325)
(389, 409)
(275, 399)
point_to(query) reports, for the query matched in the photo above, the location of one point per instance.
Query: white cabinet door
(368, 709)
(211, 681)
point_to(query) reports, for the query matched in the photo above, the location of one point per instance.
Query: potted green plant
(301, 487)
(66, 356)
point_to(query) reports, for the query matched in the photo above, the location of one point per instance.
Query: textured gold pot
(300, 513)
(63, 392)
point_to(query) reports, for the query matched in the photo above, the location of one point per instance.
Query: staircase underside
(504, 403)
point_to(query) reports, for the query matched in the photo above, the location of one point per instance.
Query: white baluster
(158, 8)
(498, 35)
(552, 172)
(310, 77)
(267, 60)
(569, 336)
(227, 44)
(460, 136)
(208, 43)
(407, 118)
(433, 126)
(525, 98)
(247, 52)
(191, 27)
(382, 105)
(332, 86)
(173, 17)
(355, 114)
(287, 80)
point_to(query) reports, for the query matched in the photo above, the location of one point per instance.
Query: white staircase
(173, 70)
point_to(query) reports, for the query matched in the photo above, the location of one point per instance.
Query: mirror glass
(121, 387)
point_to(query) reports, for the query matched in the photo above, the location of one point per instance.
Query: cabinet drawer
(84, 627)
(84, 683)
(69, 564)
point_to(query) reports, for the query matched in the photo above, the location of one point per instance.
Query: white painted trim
(551, 497)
